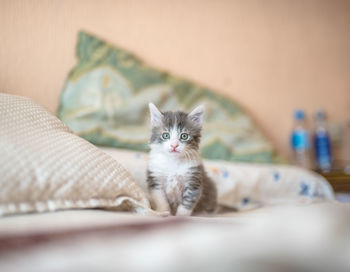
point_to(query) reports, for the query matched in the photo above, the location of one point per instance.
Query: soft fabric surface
(285, 238)
(45, 167)
(245, 186)
(106, 95)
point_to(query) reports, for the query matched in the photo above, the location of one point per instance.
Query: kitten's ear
(197, 115)
(156, 115)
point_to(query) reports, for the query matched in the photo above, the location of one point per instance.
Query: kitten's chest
(173, 187)
(173, 174)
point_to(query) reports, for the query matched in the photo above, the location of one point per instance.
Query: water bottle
(300, 141)
(322, 145)
(346, 147)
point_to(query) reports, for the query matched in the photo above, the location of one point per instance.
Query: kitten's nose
(174, 146)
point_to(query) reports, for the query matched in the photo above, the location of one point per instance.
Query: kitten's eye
(165, 136)
(184, 136)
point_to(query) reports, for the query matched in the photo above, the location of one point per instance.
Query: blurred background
(270, 56)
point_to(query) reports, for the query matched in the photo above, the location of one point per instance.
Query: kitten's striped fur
(176, 178)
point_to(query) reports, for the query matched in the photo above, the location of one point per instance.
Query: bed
(68, 205)
(280, 238)
(285, 218)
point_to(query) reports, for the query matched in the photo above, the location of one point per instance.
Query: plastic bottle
(346, 147)
(300, 141)
(322, 143)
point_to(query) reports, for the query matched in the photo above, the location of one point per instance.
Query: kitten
(176, 179)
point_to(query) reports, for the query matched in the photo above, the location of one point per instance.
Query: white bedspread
(245, 185)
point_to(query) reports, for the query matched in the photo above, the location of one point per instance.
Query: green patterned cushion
(106, 96)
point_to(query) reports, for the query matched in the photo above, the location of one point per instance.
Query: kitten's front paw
(162, 207)
(183, 211)
(164, 213)
(159, 202)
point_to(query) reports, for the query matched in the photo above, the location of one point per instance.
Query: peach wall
(271, 56)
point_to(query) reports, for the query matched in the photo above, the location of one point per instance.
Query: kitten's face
(176, 133)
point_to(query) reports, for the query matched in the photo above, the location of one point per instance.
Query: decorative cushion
(45, 167)
(106, 95)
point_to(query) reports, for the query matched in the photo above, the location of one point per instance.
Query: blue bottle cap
(299, 114)
(320, 114)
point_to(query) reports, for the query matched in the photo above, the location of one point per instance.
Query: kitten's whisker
(191, 154)
(186, 155)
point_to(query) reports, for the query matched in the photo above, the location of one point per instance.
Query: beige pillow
(45, 167)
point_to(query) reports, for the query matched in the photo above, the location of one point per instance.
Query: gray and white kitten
(176, 179)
